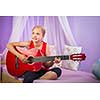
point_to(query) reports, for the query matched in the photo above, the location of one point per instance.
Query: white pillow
(70, 64)
(52, 50)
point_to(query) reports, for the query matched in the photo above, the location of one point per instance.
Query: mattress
(70, 76)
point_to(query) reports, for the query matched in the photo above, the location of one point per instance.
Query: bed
(70, 76)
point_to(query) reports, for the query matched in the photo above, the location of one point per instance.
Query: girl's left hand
(57, 60)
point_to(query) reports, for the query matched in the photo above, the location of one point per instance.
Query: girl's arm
(48, 53)
(50, 63)
(11, 47)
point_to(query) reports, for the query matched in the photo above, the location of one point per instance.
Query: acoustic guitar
(17, 68)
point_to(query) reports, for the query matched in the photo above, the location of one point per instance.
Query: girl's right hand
(23, 58)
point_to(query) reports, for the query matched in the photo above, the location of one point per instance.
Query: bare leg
(50, 75)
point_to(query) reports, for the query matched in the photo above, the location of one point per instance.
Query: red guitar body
(21, 68)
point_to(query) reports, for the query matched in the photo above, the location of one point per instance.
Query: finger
(24, 60)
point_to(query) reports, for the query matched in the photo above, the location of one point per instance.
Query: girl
(37, 42)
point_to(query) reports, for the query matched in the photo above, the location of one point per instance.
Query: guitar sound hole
(30, 60)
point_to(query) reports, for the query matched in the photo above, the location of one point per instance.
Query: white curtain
(67, 31)
(58, 31)
(54, 33)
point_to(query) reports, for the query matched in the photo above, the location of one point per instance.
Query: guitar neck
(47, 58)
(51, 58)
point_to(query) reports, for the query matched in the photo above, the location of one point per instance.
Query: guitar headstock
(78, 57)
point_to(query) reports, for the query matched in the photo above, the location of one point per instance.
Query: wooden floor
(7, 79)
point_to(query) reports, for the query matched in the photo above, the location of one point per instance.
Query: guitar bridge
(16, 62)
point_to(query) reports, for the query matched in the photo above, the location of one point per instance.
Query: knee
(57, 70)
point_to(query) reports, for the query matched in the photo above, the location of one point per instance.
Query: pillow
(69, 64)
(52, 50)
(96, 69)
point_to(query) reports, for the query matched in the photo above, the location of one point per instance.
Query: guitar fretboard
(48, 58)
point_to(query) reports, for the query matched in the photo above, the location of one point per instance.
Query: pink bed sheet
(70, 76)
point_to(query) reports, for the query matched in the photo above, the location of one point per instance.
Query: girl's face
(37, 35)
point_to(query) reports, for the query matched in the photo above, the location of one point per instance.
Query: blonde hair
(40, 27)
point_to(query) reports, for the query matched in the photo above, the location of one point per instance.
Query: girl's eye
(38, 33)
